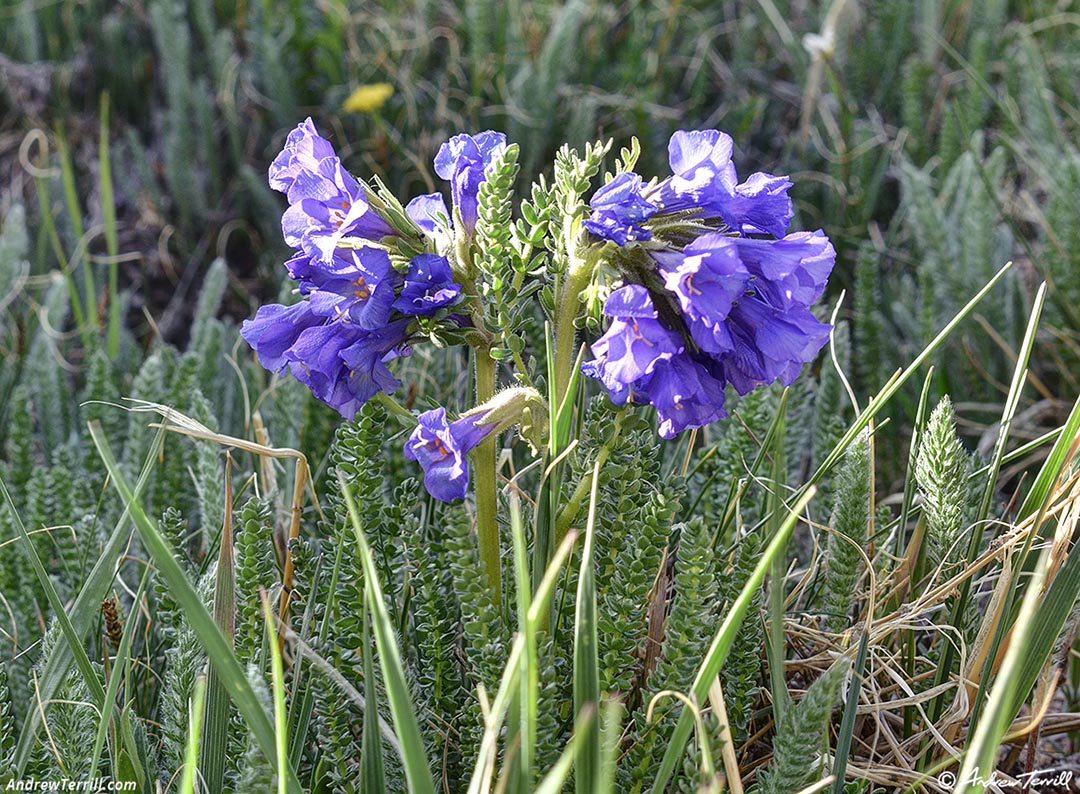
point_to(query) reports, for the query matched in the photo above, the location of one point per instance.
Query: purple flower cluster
(359, 310)
(741, 304)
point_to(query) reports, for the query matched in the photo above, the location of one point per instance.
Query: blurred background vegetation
(933, 140)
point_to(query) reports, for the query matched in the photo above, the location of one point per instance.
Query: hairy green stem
(578, 276)
(487, 504)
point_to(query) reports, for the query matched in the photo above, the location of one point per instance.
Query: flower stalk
(484, 465)
(578, 277)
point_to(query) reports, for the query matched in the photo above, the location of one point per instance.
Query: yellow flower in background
(368, 98)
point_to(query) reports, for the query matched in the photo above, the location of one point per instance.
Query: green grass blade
(71, 637)
(413, 756)
(586, 659)
(913, 448)
(1012, 402)
(215, 733)
(372, 765)
(555, 780)
(898, 380)
(48, 225)
(1046, 627)
(721, 644)
(485, 758)
(303, 702)
(71, 193)
(108, 216)
(1048, 475)
(847, 722)
(565, 413)
(529, 684)
(990, 729)
(277, 677)
(84, 615)
(71, 199)
(777, 647)
(200, 621)
(195, 719)
(119, 672)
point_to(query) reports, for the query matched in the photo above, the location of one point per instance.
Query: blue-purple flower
(791, 271)
(619, 208)
(634, 343)
(770, 343)
(463, 161)
(359, 311)
(326, 203)
(440, 447)
(429, 212)
(746, 302)
(275, 328)
(292, 170)
(685, 394)
(429, 286)
(639, 360)
(707, 278)
(704, 179)
(343, 364)
(358, 285)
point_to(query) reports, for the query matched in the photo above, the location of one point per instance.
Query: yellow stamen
(363, 293)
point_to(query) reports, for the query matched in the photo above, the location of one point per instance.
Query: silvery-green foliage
(635, 506)
(801, 743)
(48, 382)
(209, 474)
(7, 728)
(941, 470)
(184, 663)
(256, 774)
(828, 417)
(72, 721)
(256, 571)
(869, 362)
(742, 670)
(148, 385)
(687, 631)
(849, 533)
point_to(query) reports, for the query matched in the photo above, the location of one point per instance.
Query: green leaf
(721, 644)
(413, 755)
(83, 616)
(1012, 683)
(200, 621)
(529, 684)
(119, 672)
(372, 765)
(72, 638)
(195, 721)
(108, 216)
(215, 734)
(586, 659)
(277, 673)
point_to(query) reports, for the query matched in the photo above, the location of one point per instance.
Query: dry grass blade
(177, 422)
